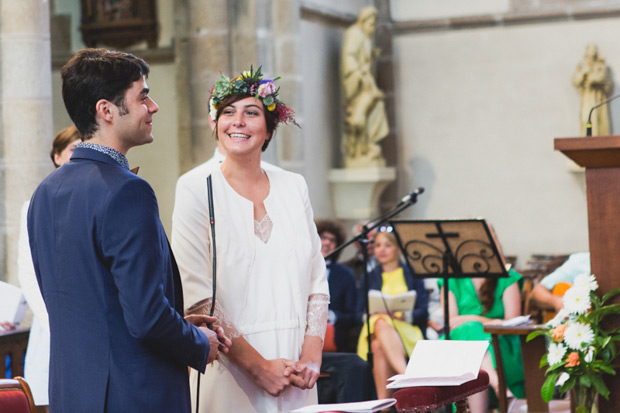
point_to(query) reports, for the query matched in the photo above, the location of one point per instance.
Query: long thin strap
(212, 222)
(214, 271)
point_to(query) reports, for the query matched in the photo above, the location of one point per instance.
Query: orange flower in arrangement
(558, 333)
(572, 359)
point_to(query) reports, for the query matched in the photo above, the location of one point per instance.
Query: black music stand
(457, 248)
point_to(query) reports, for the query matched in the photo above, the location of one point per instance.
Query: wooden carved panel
(119, 23)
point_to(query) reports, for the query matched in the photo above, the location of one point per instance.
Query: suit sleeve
(136, 252)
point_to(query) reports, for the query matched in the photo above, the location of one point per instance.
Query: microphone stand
(362, 238)
(589, 124)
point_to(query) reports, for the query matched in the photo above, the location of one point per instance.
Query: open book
(13, 305)
(441, 363)
(354, 407)
(378, 300)
(517, 321)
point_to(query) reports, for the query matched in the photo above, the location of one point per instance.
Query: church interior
(474, 94)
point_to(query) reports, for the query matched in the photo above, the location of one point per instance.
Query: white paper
(13, 305)
(403, 302)
(441, 363)
(517, 321)
(355, 407)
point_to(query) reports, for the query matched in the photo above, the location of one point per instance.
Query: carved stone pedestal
(356, 191)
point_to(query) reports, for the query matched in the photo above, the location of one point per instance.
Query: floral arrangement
(580, 349)
(252, 83)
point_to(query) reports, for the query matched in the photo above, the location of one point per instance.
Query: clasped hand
(279, 374)
(218, 342)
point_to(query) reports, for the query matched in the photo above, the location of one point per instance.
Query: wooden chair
(428, 398)
(15, 396)
(13, 344)
(531, 353)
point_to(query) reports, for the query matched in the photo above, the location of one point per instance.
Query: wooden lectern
(601, 157)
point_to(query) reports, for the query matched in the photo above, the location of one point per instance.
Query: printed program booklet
(403, 302)
(441, 363)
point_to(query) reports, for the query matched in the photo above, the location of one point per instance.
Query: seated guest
(474, 302)
(393, 336)
(357, 262)
(551, 288)
(343, 314)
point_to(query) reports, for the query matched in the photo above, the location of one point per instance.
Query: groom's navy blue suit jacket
(118, 341)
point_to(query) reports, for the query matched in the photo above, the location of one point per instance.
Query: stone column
(202, 41)
(25, 116)
(285, 37)
(212, 37)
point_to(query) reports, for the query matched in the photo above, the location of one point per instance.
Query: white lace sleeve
(204, 307)
(316, 316)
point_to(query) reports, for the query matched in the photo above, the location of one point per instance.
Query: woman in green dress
(474, 302)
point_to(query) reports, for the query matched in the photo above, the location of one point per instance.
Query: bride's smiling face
(241, 127)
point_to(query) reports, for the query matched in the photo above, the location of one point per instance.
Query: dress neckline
(264, 201)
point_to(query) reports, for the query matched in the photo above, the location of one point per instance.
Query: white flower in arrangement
(559, 317)
(589, 356)
(562, 379)
(577, 300)
(577, 335)
(556, 353)
(586, 281)
(212, 110)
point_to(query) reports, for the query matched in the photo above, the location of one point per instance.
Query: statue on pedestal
(593, 80)
(365, 122)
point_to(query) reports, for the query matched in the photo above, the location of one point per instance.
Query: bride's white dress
(271, 285)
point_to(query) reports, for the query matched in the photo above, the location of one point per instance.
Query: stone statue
(593, 80)
(365, 121)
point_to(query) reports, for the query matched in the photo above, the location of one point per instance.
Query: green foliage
(548, 386)
(535, 334)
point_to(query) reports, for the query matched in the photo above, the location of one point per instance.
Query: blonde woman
(392, 338)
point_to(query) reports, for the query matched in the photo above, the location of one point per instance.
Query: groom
(110, 283)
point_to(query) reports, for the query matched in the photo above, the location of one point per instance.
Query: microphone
(589, 124)
(412, 196)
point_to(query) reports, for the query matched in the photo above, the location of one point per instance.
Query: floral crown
(252, 83)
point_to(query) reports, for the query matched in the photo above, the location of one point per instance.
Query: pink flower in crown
(266, 89)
